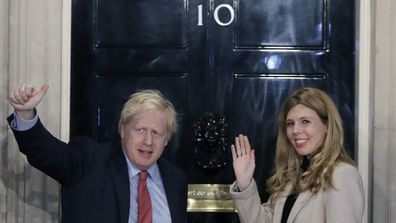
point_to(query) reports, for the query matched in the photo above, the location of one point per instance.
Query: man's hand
(24, 98)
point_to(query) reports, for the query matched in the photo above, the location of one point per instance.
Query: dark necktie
(144, 202)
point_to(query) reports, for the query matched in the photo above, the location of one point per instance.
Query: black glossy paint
(242, 71)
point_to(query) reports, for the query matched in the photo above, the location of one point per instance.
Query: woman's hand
(243, 161)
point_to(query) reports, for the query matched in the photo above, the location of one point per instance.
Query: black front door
(226, 65)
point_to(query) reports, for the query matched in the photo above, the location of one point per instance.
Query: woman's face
(305, 130)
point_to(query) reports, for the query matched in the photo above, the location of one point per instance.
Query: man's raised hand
(25, 98)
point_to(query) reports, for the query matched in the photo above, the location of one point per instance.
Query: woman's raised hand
(243, 161)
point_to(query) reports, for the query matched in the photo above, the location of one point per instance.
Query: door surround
(364, 90)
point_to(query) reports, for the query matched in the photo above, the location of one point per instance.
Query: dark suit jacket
(94, 177)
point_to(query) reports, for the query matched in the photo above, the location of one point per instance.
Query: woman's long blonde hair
(322, 163)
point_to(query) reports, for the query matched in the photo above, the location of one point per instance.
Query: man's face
(144, 138)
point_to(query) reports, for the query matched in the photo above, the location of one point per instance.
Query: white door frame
(364, 89)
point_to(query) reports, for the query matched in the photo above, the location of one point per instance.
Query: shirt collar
(153, 170)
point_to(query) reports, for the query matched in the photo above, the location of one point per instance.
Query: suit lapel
(280, 204)
(301, 200)
(119, 170)
(169, 191)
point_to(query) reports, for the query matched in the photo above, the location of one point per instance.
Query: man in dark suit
(99, 182)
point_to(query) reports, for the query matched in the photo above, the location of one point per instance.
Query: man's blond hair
(148, 100)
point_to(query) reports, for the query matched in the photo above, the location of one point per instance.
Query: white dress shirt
(159, 202)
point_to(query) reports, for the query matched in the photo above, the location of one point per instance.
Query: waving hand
(243, 161)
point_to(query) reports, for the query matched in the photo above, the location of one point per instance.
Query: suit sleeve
(61, 161)
(345, 201)
(249, 207)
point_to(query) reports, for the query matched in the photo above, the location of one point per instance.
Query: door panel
(227, 62)
(141, 23)
(281, 24)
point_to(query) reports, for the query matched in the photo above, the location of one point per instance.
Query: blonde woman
(314, 180)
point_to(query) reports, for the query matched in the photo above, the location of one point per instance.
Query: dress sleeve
(248, 205)
(345, 200)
